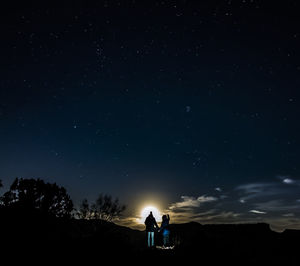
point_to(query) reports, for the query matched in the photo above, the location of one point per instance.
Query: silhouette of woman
(165, 230)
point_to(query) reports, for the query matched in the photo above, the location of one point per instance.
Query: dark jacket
(151, 224)
(164, 228)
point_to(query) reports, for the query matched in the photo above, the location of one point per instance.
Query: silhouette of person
(165, 230)
(151, 226)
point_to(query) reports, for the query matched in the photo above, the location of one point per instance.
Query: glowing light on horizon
(146, 211)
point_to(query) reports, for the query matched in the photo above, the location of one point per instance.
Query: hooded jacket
(150, 223)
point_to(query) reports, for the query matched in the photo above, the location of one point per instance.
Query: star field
(178, 102)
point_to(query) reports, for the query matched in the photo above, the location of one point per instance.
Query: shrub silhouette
(105, 208)
(84, 210)
(36, 194)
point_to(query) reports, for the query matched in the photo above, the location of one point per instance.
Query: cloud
(276, 202)
(218, 217)
(223, 196)
(218, 189)
(286, 188)
(274, 198)
(278, 205)
(203, 199)
(191, 202)
(133, 222)
(258, 190)
(288, 181)
(203, 214)
(191, 208)
(288, 215)
(200, 210)
(255, 188)
(257, 212)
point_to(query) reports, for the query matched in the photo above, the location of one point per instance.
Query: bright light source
(146, 211)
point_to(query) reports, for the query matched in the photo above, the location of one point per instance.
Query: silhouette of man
(151, 226)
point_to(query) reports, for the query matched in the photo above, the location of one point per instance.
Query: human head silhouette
(151, 214)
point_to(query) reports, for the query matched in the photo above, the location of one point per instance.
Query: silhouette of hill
(36, 234)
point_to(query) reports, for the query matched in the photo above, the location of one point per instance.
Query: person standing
(165, 230)
(151, 226)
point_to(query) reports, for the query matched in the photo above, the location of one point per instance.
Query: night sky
(192, 106)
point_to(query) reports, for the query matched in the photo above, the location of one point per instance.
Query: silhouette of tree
(36, 194)
(105, 208)
(84, 210)
(1, 185)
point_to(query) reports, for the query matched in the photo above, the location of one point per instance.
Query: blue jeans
(166, 237)
(150, 239)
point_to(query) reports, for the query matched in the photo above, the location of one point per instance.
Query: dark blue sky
(163, 101)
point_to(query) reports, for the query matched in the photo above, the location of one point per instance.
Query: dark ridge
(35, 234)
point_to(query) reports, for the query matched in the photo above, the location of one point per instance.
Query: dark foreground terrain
(42, 239)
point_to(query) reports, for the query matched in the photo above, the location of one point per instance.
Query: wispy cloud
(288, 215)
(276, 202)
(202, 209)
(288, 181)
(257, 212)
(219, 217)
(133, 222)
(255, 190)
(191, 208)
(191, 202)
(278, 205)
(286, 188)
(254, 187)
